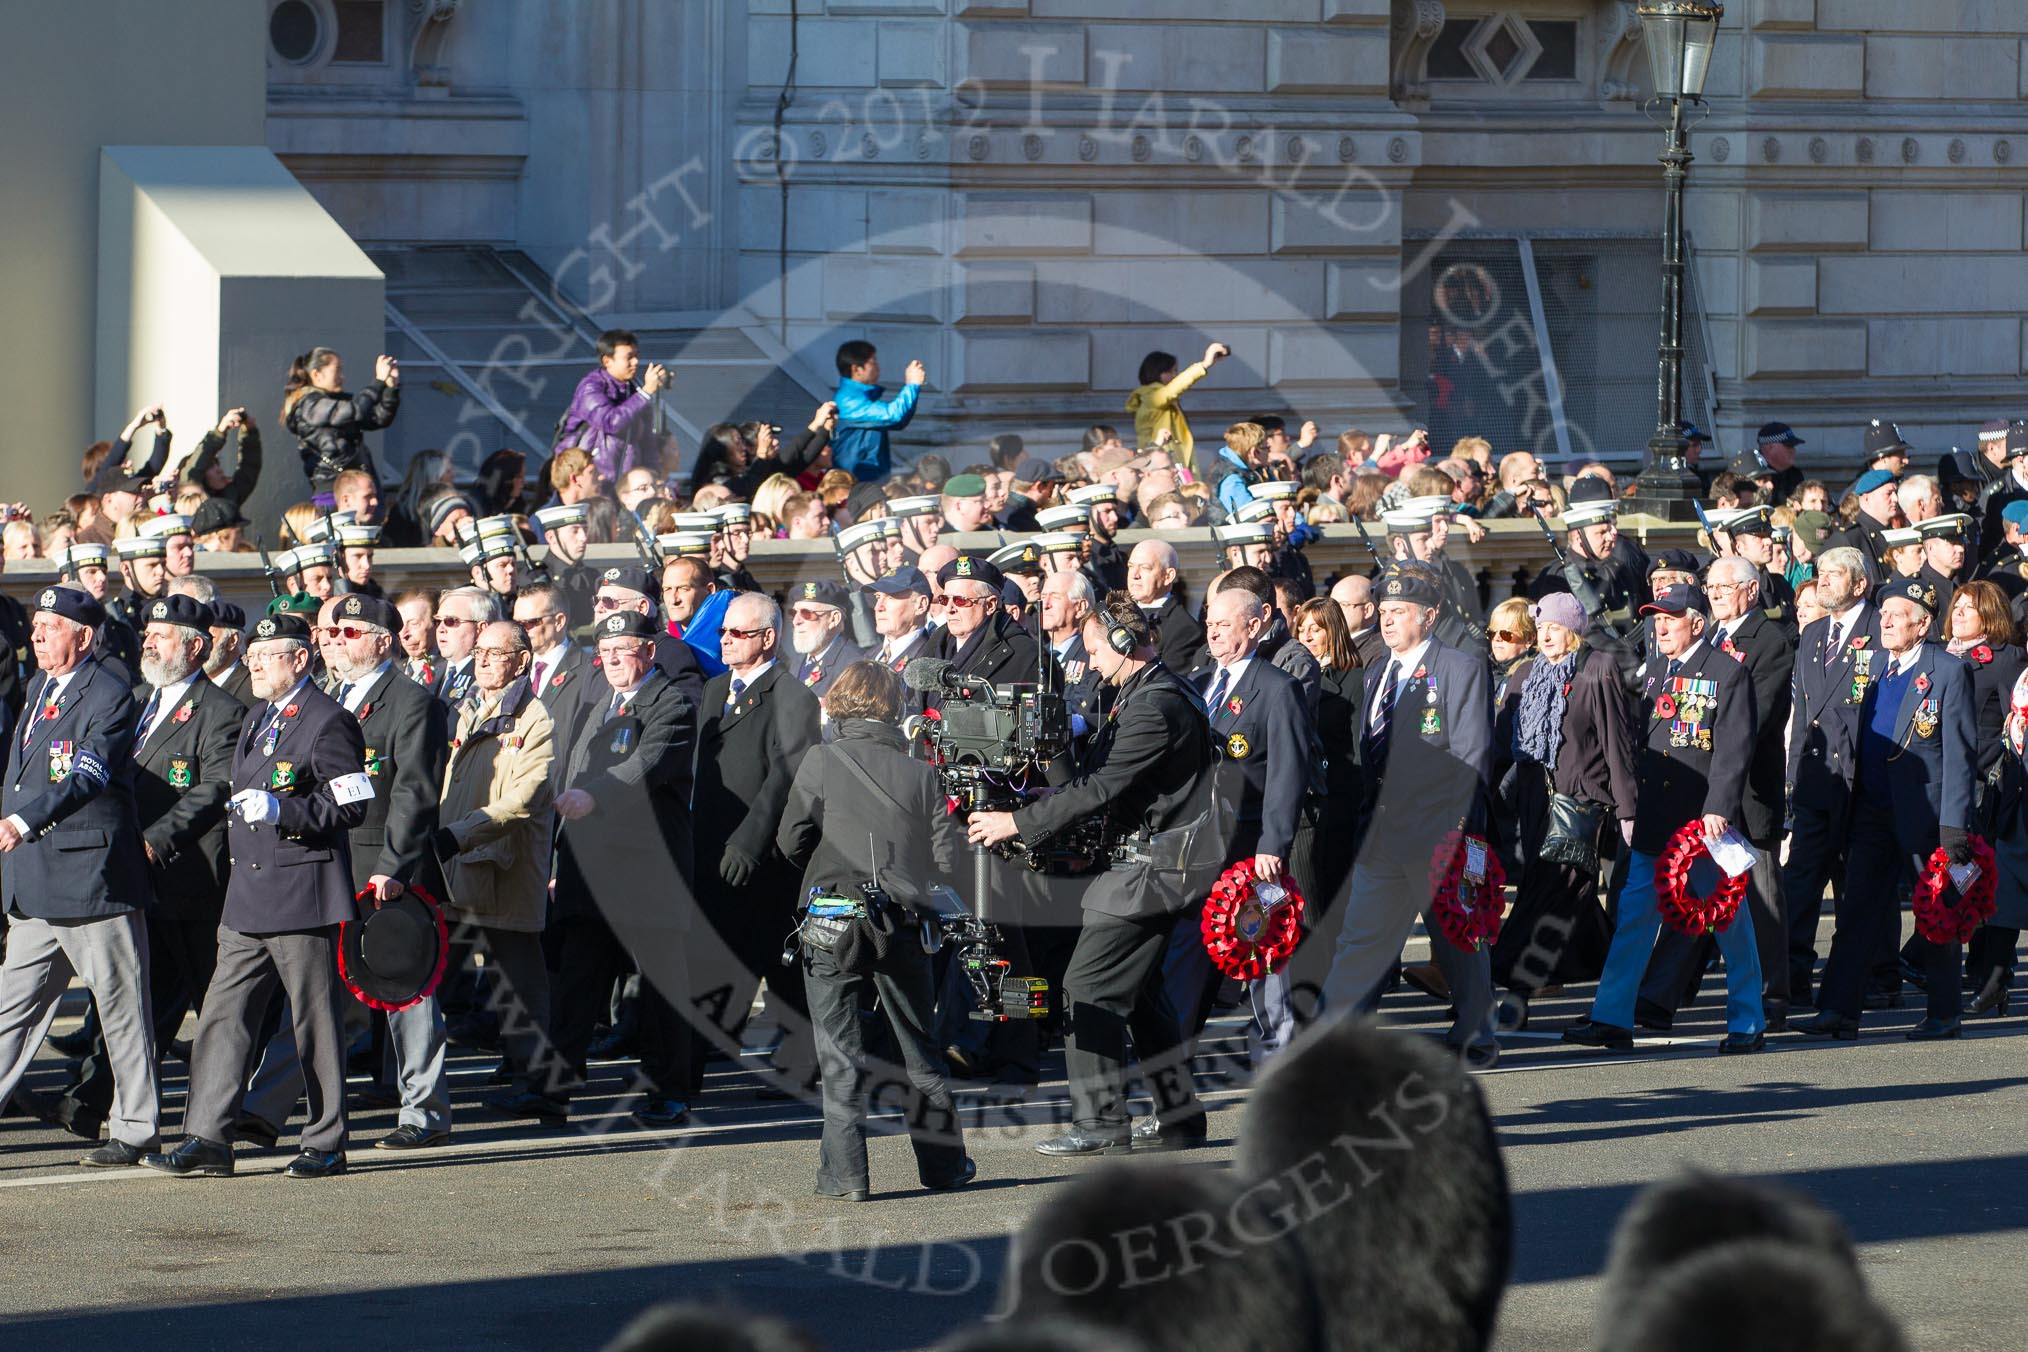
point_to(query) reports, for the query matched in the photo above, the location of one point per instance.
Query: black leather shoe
(316, 1164)
(1881, 1000)
(1648, 1014)
(1609, 1037)
(612, 1046)
(1077, 1142)
(195, 1158)
(849, 1195)
(1480, 1056)
(528, 1103)
(257, 1131)
(962, 1177)
(115, 1155)
(71, 1045)
(661, 1112)
(84, 1123)
(1828, 1024)
(1185, 1133)
(1739, 1043)
(1995, 993)
(409, 1136)
(1936, 1030)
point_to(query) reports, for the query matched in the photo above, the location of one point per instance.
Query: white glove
(1627, 834)
(257, 808)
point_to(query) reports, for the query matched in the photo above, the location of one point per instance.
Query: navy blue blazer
(1696, 745)
(1261, 734)
(297, 874)
(70, 779)
(1931, 775)
(1824, 718)
(1439, 758)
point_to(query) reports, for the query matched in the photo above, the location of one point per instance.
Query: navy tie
(1217, 695)
(738, 689)
(1382, 727)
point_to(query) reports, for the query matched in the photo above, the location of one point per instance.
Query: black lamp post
(1679, 36)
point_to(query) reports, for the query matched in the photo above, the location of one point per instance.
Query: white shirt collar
(355, 697)
(171, 695)
(1409, 661)
(757, 673)
(554, 653)
(1235, 672)
(895, 647)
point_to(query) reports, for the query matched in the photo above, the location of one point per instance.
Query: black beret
(1911, 589)
(72, 604)
(372, 610)
(226, 615)
(971, 568)
(1416, 584)
(823, 592)
(1675, 560)
(630, 577)
(629, 624)
(216, 514)
(280, 625)
(187, 611)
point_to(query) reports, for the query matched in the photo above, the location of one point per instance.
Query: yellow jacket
(1154, 407)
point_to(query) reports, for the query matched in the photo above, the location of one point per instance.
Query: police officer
(183, 749)
(563, 528)
(1911, 792)
(1427, 747)
(2008, 486)
(1837, 660)
(1692, 767)
(299, 785)
(75, 882)
(1143, 771)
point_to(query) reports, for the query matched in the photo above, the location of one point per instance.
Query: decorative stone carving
(1820, 150)
(1140, 149)
(1087, 149)
(1031, 146)
(1619, 53)
(820, 145)
(1193, 149)
(1771, 148)
(1911, 150)
(1721, 150)
(2003, 151)
(1957, 150)
(428, 22)
(1414, 30)
(1397, 150)
(1865, 150)
(977, 147)
(1348, 149)
(1244, 149)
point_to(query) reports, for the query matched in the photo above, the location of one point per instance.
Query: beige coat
(497, 804)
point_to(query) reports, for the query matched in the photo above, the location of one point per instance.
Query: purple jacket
(609, 418)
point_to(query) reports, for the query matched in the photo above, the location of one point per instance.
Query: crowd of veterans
(572, 813)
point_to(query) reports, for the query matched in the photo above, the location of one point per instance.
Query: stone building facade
(1392, 210)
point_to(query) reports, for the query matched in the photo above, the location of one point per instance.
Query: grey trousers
(1385, 899)
(414, 1066)
(110, 956)
(251, 968)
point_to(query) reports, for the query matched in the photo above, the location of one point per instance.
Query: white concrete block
(994, 293)
(1028, 360)
(1954, 346)
(1181, 221)
(1806, 221)
(1365, 289)
(1960, 69)
(1775, 347)
(1338, 354)
(858, 289)
(1974, 222)
(1156, 291)
(1774, 14)
(901, 221)
(1918, 284)
(912, 54)
(1781, 286)
(1931, 16)
(1024, 223)
(1361, 218)
(1784, 67)
(1007, 55)
(1307, 61)
(1195, 61)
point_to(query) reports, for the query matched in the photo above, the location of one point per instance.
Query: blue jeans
(1634, 943)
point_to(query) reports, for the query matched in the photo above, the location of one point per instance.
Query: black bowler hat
(372, 610)
(73, 604)
(394, 954)
(630, 577)
(177, 609)
(629, 624)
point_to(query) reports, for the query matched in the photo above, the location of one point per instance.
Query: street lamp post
(1679, 36)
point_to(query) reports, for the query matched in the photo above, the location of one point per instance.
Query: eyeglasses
(966, 602)
(1507, 636)
(452, 621)
(812, 616)
(551, 618)
(630, 650)
(609, 603)
(498, 654)
(272, 655)
(745, 635)
(347, 631)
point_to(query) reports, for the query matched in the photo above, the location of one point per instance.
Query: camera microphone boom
(926, 673)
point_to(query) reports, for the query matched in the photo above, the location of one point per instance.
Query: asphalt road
(517, 1237)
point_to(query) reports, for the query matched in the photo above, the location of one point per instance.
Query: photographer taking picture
(862, 812)
(1143, 772)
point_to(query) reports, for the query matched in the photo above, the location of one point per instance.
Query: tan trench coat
(497, 804)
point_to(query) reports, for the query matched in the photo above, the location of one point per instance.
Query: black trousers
(751, 935)
(1114, 990)
(853, 1079)
(1815, 847)
(1882, 861)
(590, 958)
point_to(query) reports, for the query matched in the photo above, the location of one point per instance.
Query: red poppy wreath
(1249, 935)
(1943, 915)
(1680, 909)
(1467, 912)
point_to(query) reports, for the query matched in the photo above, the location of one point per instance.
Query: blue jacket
(1235, 487)
(864, 420)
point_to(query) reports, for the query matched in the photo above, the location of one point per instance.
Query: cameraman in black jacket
(1144, 771)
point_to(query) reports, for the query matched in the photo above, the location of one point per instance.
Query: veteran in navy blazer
(75, 877)
(1916, 770)
(1426, 744)
(1837, 660)
(1697, 702)
(183, 752)
(299, 786)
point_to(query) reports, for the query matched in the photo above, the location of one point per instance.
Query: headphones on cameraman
(1120, 638)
